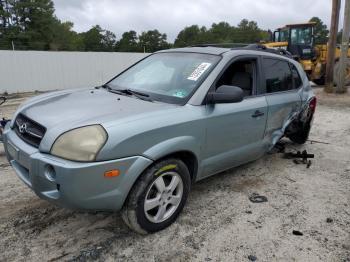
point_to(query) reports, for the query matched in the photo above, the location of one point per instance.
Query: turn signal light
(112, 173)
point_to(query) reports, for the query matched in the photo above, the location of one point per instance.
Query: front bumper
(72, 184)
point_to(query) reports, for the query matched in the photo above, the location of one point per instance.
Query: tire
(302, 135)
(165, 200)
(320, 82)
(337, 72)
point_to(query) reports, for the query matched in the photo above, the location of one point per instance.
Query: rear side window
(278, 75)
(296, 77)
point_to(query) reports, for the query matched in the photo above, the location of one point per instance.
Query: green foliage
(152, 41)
(32, 25)
(128, 43)
(25, 20)
(192, 35)
(97, 39)
(245, 32)
(320, 31)
(64, 38)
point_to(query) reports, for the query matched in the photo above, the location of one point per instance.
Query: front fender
(173, 145)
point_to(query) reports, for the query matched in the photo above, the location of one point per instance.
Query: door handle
(257, 113)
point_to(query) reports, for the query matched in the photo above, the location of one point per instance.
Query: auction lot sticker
(199, 71)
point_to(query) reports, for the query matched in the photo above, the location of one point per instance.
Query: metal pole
(13, 46)
(331, 46)
(344, 49)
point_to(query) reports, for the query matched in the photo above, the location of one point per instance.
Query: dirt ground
(219, 223)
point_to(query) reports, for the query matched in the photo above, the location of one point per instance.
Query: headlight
(81, 144)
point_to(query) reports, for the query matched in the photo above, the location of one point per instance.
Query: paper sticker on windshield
(199, 71)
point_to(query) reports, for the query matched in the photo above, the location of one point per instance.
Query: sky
(171, 16)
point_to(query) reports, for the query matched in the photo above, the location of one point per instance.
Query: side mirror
(226, 94)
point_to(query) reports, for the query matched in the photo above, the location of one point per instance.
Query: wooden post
(331, 46)
(341, 88)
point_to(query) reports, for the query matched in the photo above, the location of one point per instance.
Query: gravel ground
(219, 223)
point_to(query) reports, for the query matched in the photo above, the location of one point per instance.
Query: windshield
(167, 77)
(301, 35)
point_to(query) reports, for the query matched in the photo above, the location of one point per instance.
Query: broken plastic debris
(255, 198)
(297, 233)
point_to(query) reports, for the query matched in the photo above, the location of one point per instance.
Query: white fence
(26, 71)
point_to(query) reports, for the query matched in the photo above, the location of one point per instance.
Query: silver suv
(139, 142)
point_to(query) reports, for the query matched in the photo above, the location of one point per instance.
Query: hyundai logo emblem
(22, 128)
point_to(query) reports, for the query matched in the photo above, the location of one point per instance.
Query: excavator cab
(280, 35)
(300, 39)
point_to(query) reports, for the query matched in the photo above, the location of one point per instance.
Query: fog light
(50, 173)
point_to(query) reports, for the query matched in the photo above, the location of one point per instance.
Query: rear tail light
(312, 104)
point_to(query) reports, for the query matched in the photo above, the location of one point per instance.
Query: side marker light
(112, 173)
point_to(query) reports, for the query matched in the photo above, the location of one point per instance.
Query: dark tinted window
(278, 75)
(296, 77)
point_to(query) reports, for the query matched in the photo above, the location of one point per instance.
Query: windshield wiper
(130, 92)
(134, 92)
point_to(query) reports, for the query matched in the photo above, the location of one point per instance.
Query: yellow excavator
(298, 40)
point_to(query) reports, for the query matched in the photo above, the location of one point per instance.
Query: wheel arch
(186, 148)
(189, 159)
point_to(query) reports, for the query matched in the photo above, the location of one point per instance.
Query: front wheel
(157, 197)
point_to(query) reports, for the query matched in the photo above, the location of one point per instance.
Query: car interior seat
(244, 81)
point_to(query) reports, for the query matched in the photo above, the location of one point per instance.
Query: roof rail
(260, 47)
(225, 45)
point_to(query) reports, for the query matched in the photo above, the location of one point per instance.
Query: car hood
(66, 110)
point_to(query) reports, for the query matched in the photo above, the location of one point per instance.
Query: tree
(247, 32)
(220, 33)
(188, 36)
(36, 19)
(320, 31)
(152, 41)
(30, 24)
(93, 39)
(108, 40)
(65, 38)
(128, 42)
(7, 29)
(97, 39)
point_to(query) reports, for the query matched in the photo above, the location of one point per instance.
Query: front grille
(30, 131)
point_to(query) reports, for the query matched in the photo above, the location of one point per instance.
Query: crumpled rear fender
(300, 116)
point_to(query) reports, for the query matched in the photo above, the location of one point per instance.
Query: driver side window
(241, 74)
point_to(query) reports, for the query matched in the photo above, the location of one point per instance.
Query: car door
(282, 98)
(235, 131)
